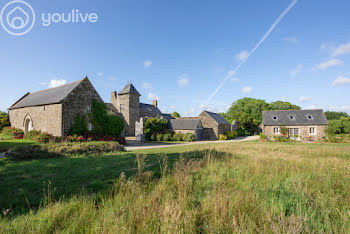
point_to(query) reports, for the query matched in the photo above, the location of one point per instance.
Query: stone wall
(304, 131)
(46, 118)
(210, 127)
(223, 128)
(78, 102)
(130, 112)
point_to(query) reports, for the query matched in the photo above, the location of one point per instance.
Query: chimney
(113, 97)
(155, 103)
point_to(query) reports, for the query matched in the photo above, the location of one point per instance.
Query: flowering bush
(14, 132)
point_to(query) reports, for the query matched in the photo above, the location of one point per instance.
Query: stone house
(53, 110)
(184, 126)
(306, 125)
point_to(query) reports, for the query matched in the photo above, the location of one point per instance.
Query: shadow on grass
(23, 183)
(11, 144)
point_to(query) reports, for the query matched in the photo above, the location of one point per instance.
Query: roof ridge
(59, 86)
(293, 110)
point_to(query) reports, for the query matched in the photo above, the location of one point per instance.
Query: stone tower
(128, 104)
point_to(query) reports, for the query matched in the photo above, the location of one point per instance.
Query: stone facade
(79, 101)
(304, 132)
(211, 128)
(56, 118)
(47, 118)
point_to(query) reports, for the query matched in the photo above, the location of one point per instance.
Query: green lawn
(257, 187)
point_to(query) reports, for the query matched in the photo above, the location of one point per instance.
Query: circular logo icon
(17, 17)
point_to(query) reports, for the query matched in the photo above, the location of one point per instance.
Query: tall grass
(256, 188)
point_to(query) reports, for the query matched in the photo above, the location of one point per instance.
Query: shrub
(231, 135)
(79, 127)
(153, 137)
(44, 137)
(159, 137)
(189, 137)
(178, 137)
(64, 149)
(104, 123)
(222, 137)
(18, 133)
(32, 135)
(4, 120)
(242, 132)
(154, 125)
(167, 137)
(262, 136)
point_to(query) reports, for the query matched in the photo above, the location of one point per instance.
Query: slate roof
(148, 110)
(218, 118)
(167, 116)
(184, 124)
(129, 88)
(45, 97)
(300, 117)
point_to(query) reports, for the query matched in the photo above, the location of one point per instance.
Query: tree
(175, 114)
(280, 105)
(4, 120)
(154, 126)
(248, 112)
(332, 115)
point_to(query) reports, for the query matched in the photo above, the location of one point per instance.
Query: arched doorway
(28, 125)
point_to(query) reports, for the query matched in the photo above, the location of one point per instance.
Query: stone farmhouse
(54, 110)
(307, 125)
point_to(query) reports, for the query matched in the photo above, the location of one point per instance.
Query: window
(312, 131)
(89, 109)
(291, 117)
(275, 118)
(90, 127)
(276, 130)
(121, 107)
(309, 116)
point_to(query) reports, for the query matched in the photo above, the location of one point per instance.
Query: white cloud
(242, 56)
(340, 108)
(296, 70)
(235, 79)
(230, 73)
(152, 96)
(330, 63)
(43, 83)
(56, 83)
(100, 74)
(183, 80)
(247, 89)
(312, 107)
(305, 99)
(341, 49)
(341, 80)
(293, 40)
(147, 86)
(147, 63)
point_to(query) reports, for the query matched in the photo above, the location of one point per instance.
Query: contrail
(273, 26)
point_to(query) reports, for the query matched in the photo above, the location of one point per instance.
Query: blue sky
(180, 52)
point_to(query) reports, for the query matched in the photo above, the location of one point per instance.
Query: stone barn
(213, 125)
(53, 110)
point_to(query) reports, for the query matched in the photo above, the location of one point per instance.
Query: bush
(4, 120)
(64, 149)
(231, 135)
(159, 137)
(32, 135)
(45, 138)
(154, 126)
(242, 132)
(222, 137)
(79, 127)
(167, 137)
(178, 137)
(189, 137)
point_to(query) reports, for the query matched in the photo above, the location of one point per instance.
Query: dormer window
(310, 117)
(275, 118)
(291, 117)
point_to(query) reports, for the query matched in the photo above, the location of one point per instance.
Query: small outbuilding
(184, 126)
(213, 125)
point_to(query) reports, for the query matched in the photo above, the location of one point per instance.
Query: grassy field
(249, 187)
